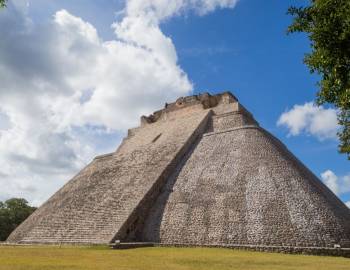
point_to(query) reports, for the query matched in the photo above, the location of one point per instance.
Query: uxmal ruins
(201, 171)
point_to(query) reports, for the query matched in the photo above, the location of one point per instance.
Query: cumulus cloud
(339, 185)
(348, 204)
(64, 89)
(310, 119)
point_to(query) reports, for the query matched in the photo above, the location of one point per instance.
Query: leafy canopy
(3, 3)
(327, 24)
(12, 213)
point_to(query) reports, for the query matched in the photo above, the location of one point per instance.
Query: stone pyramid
(198, 172)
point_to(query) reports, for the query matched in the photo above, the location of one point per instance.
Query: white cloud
(158, 10)
(64, 89)
(331, 181)
(310, 119)
(348, 204)
(339, 185)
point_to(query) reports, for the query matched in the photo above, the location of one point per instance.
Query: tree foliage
(3, 3)
(327, 24)
(12, 213)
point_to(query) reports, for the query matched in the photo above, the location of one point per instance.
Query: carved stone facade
(198, 172)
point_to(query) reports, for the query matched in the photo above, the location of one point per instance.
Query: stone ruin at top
(198, 172)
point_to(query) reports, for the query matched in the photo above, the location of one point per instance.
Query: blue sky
(239, 46)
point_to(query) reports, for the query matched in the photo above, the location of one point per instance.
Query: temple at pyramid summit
(200, 171)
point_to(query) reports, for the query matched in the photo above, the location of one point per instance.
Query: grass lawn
(48, 257)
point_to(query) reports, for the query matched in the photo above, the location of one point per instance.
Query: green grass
(49, 257)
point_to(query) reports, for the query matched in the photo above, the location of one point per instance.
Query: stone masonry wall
(99, 202)
(240, 186)
(199, 172)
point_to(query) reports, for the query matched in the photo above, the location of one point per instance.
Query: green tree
(12, 213)
(327, 24)
(3, 3)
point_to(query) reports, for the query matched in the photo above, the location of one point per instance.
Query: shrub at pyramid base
(198, 172)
